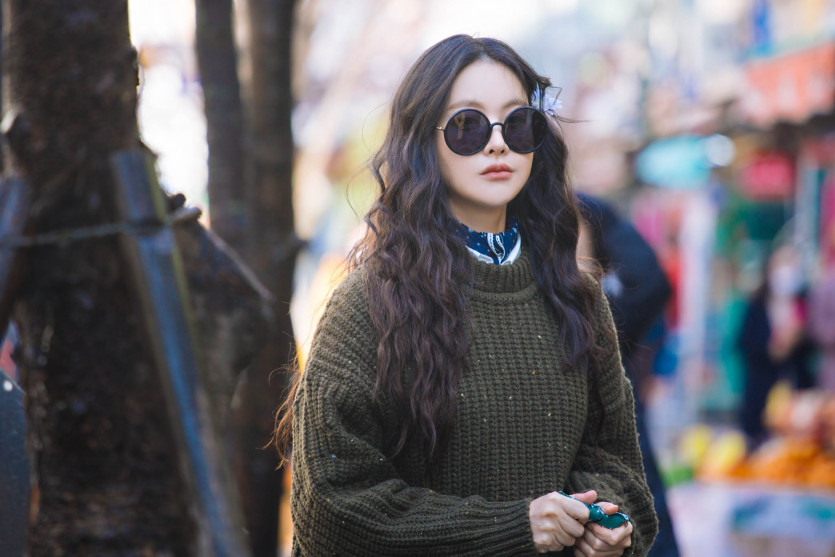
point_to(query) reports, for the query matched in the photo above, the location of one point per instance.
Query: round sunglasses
(468, 131)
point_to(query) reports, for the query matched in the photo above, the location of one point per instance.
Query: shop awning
(790, 87)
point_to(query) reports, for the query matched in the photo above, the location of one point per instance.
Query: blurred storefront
(738, 158)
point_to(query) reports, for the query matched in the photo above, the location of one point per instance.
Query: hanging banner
(790, 87)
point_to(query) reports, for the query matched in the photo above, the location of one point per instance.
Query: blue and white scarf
(501, 249)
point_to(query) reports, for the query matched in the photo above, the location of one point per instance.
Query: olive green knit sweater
(526, 425)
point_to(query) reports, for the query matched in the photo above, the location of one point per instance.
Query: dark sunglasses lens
(525, 129)
(467, 132)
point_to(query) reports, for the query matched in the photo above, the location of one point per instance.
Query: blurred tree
(271, 251)
(269, 243)
(218, 65)
(105, 477)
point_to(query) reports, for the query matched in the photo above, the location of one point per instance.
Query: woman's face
(481, 185)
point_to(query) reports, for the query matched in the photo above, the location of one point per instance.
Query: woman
(466, 371)
(773, 340)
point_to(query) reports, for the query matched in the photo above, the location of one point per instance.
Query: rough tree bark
(106, 480)
(217, 62)
(103, 461)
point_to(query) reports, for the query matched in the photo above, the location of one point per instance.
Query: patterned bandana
(490, 247)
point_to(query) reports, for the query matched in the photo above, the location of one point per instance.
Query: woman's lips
(497, 172)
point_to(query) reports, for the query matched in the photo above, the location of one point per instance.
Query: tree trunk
(105, 476)
(268, 243)
(217, 61)
(271, 251)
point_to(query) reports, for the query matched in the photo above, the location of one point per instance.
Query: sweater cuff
(510, 532)
(643, 518)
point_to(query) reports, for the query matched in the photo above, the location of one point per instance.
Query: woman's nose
(496, 143)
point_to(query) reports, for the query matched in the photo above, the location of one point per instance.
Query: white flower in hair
(548, 101)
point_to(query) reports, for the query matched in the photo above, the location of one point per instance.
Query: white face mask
(785, 280)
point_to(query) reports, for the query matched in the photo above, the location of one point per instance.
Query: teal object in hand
(596, 514)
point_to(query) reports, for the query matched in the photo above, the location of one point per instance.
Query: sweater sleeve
(347, 496)
(609, 458)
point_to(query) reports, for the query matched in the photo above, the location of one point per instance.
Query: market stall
(775, 500)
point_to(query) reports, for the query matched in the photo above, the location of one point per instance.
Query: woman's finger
(575, 509)
(620, 537)
(578, 552)
(586, 496)
(608, 508)
(564, 539)
(571, 526)
(604, 535)
(589, 550)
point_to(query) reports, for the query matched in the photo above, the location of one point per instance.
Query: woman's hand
(558, 521)
(598, 541)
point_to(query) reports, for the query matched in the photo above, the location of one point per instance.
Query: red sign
(770, 176)
(790, 87)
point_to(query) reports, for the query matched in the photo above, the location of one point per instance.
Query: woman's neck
(494, 221)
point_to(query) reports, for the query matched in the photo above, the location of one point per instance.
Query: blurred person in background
(773, 339)
(822, 313)
(638, 291)
(467, 370)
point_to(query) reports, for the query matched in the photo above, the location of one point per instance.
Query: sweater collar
(513, 277)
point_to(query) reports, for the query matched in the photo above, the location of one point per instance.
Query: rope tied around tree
(71, 235)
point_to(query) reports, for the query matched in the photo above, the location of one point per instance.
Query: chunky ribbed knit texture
(526, 425)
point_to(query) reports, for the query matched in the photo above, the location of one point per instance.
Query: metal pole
(160, 283)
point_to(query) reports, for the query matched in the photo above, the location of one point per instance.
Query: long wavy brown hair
(419, 270)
